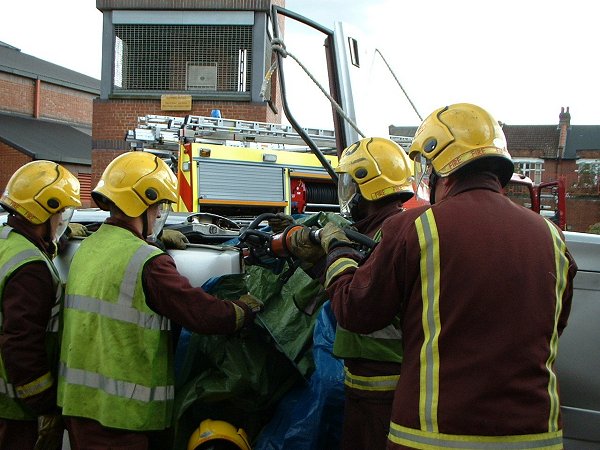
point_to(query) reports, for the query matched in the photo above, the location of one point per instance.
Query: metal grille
(191, 58)
(218, 180)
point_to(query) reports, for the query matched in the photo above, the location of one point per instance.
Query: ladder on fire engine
(166, 132)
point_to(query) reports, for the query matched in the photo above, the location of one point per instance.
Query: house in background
(45, 113)
(546, 152)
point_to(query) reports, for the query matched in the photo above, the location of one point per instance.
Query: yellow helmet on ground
(212, 432)
(40, 189)
(454, 136)
(134, 181)
(378, 168)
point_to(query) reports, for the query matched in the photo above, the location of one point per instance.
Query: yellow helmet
(211, 431)
(134, 181)
(40, 189)
(377, 167)
(456, 135)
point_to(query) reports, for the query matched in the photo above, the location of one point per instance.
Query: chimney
(564, 123)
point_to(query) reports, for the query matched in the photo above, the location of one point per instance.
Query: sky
(521, 59)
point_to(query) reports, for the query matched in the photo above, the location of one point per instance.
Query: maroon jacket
(365, 367)
(27, 303)
(479, 360)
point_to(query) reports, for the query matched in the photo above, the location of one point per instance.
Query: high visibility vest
(116, 363)
(15, 251)
(382, 345)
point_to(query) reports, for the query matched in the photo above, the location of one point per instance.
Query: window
(182, 58)
(588, 173)
(531, 168)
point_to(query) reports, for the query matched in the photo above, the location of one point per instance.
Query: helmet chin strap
(145, 224)
(356, 211)
(48, 235)
(433, 180)
(49, 238)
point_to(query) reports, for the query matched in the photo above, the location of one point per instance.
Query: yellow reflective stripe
(562, 271)
(430, 293)
(337, 267)
(239, 316)
(35, 387)
(378, 235)
(377, 383)
(430, 441)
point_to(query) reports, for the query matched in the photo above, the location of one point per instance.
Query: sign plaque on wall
(176, 102)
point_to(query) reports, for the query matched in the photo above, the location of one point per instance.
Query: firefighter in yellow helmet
(116, 364)
(479, 331)
(375, 180)
(39, 198)
(218, 435)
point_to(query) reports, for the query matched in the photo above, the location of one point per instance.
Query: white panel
(184, 17)
(356, 57)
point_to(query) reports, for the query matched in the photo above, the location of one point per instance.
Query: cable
(399, 84)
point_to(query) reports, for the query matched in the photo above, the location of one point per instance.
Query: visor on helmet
(347, 189)
(422, 170)
(63, 223)
(164, 209)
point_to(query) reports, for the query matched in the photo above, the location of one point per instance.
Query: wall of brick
(57, 102)
(17, 94)
(11, 159)
(582, 211)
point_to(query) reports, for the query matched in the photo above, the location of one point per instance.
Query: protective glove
(77, 229)
(252, 302)
(280, 222)
(303, 248)
(50, 432)
(332, 234)
(174, 239)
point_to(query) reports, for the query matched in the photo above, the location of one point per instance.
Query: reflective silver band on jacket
(7, 389)
(373, 383)
(118, 388)
(123, 310)
(118, 312)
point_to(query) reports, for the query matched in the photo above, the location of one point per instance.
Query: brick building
(45, 113)
(215, 56)
(546, 152)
